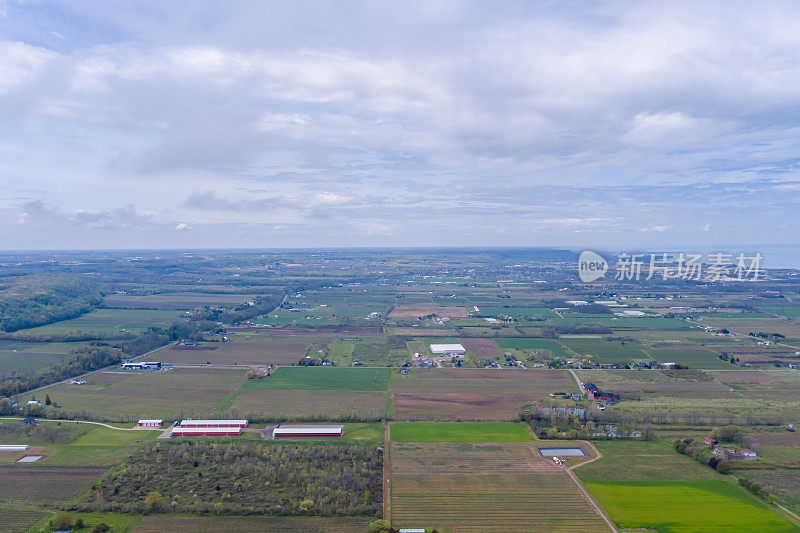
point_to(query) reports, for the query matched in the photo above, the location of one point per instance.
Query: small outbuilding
(150, 423)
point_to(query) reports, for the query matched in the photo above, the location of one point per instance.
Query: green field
(534, 344)
(691, 356)
(686, 506)
(459, 432)
(324, 378)
(129, 396)
(112, 322)
(649, 485)
(791, 312)
(603, 351)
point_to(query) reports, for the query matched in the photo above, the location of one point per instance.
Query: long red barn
(213, 423)
(230, 431)
(308, 431)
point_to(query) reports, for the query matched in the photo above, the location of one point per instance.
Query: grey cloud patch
(515, 119)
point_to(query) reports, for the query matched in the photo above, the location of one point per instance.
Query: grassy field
(131, 396)
(691, 355)
(534, 344)
(686, 506)
(18, 357)
(484, 488)
(324, 378)
(459, 432)
(649, 485)
(280, 404)
(256, 349)
(791, 312)
(607, 352)
(112, 322)
(175, 300)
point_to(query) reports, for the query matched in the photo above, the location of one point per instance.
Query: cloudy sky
(272, 124)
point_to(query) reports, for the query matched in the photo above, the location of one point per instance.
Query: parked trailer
(230, 431)
(213, 423)
(308, 431)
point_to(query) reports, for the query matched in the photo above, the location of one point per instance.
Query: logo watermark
(666, 266)
(591, 266)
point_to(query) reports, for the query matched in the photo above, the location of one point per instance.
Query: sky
(307, 124)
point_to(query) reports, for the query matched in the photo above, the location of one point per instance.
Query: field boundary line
(787, 510)
(597, 454)
(585, 492)
(591, 500)
(387, 498)
(753, 496)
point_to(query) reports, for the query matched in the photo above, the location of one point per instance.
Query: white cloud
(182, 227)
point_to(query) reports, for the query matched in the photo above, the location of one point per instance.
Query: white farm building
(448, 349)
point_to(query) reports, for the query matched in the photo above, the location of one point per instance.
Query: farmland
(321, 378)
(478, 487)
(461, 454)
(130, 396)
(246, 524)
(109, 322)
(459, 432)
(648, 484)
(256, 349)
(49, 485)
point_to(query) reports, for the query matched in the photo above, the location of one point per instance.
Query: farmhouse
(308, 431)
(212, 423)
(150, 423)
(734, 455)
(448, 349)
(228, 431)
(142, 365)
